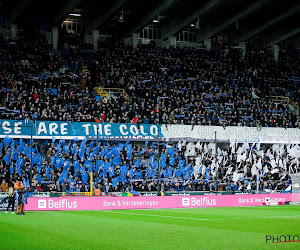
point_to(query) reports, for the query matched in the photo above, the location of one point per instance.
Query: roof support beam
(179, 23)
(223, 24)
(281, 36)
(102, 17)
(63, 12)
(141, 24)
(15, 12)
(256, 30)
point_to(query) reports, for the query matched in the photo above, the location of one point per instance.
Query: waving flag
(138, 175)
(66, 148)
(6, 141)
(111, 171)
(85, 178)
(129, 151)
(178, 172)
(39, 178)
(137, 164)
(163, 160)
(181, 163)
(6, 158)
(11, 169)
(116, 161)
(47, 174)
(115, 182)
(143, 150)
(15, 156)
(81, 155)
(74, 150)
(21, 147)
(171, 152)
(172, 161)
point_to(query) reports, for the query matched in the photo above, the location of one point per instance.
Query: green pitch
(205, 228)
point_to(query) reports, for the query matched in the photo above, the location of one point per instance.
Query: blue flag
(129, 151)
(171, 152)
(138, 175)
(74, 150)
(81, 155)
(111, 171)
(163, 160)
(6, 158)
(91, 167)
(131, 173)
(91, 144)
(19, 170)
(11, 169)
(172, 161)
(84, 178)
(178, 172)
(186, 175)
(39, 168)
(47, 174)
(52, 161)
(109, 154)
(66, 148)
(21, 147)
(169, 172)
(124, 170)
(115, 182)
(116, 161)
(39, 178)
(137, 163)
(15, 156)
(150, 173)
(6, 141)
(181, 163)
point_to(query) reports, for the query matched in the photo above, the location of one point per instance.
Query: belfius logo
(203, 201)
(282, 238)
(60, 204)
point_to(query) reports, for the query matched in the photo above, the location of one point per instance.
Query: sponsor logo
(185, 201)
(60, 204)
(42, 204)
(203, 201)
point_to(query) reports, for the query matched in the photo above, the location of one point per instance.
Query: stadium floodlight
(156, 20)
(72, 14)
(121, 19)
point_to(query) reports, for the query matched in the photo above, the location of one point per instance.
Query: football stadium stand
(70, 76)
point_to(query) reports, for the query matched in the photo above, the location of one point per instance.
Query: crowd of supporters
(65, 166)
(198, 87)
(164, 86)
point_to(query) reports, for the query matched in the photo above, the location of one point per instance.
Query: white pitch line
(200, 219)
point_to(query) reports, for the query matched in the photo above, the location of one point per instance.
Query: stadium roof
(272, 20)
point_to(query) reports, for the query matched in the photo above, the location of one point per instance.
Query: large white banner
(238, 134)
(118, 131)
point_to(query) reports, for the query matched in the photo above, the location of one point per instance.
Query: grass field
(205, 228)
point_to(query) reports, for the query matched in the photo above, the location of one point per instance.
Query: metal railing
(77, 194)
(105, 92)
(285, 100)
